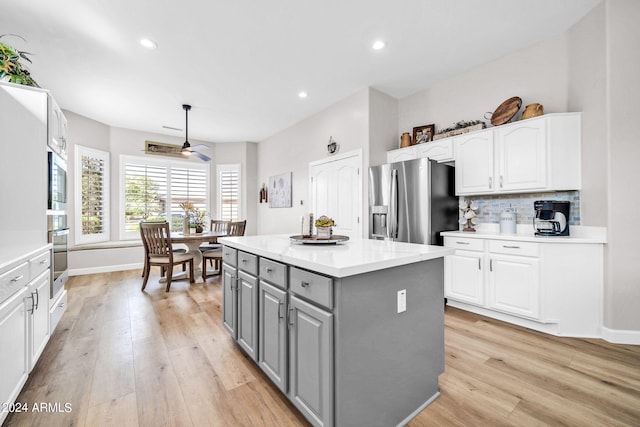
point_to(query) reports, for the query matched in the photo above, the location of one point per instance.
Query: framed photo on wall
(422, 134)
(280, 190)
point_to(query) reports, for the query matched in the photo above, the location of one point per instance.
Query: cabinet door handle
(500, 181)
(280, 312)
(490, 182)
(33, 303)
(479, 264)
(490, 265)
(510, 247)
(462, 243)
(304, 284)
(290, 317)
(15, 279)
(37, 299)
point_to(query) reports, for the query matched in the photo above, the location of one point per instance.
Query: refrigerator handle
(393, 205)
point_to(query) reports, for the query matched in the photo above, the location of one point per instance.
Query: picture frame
(280, 190)
(163, 149)
(422, 134)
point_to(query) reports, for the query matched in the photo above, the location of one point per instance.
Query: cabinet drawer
(229, 255)
(465, 243)
(312, 286)
(273, 272)
(514, 248)
(13, 280)
(57, 310)
(248, 262)
(39, 263)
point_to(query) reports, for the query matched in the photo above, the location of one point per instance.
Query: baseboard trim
(105, 269)
(621, 336)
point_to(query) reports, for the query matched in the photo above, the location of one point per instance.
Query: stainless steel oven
(58, 236)
(57, 200)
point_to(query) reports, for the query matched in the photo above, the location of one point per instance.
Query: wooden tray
(313, 240)
(506, 111)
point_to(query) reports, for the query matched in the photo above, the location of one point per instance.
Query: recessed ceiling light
(303, 94)
(378, 44)
(148, 43)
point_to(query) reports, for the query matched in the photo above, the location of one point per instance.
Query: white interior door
(336, 191)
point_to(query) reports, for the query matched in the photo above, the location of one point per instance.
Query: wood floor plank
(119, 412)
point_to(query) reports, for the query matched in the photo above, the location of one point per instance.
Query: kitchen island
(352, 334)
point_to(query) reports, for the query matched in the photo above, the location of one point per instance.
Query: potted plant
(11, 69)
(324, 227)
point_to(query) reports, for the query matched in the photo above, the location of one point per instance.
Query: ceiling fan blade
(199, 147)
(201, 156)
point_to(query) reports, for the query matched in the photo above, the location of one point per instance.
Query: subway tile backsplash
(490, 207)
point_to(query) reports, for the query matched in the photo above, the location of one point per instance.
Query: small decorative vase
(405, 140)
(185, 225)
(324, 233)
(199, 229)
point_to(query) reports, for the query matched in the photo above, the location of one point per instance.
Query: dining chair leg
(191, 272)
(145, 274)
(204, 269)
(169, 276)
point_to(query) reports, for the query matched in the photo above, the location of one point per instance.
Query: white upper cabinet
(539, 154)
(440, 151)
(474, 163)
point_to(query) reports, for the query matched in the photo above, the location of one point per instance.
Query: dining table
(193, 241)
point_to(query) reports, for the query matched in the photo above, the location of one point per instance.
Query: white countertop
(18, 252)
(578, 234)
(355, 256)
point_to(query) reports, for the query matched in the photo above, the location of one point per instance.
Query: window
(92, 195)
(229, 192)
(152, 190)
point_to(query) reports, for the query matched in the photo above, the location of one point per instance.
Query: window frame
(79, 237)
(168, 164)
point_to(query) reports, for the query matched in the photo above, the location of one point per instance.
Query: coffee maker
(551, 218)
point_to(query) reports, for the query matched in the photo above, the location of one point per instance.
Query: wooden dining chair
(162, 270)
(219, 226)
(156, 239)
(235, 229)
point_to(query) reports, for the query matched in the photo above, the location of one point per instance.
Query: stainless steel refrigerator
(412, 201)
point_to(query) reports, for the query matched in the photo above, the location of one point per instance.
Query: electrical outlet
(402, 301)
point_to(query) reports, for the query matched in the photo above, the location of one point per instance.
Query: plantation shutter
(229, 192)
(92, 213)
(145, 195)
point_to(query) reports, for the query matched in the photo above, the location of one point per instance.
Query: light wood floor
(122, 357)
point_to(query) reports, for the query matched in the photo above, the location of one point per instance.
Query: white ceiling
(241, 63)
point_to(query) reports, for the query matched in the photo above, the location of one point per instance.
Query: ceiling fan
(187, 149)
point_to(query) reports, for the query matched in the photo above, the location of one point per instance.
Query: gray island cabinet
(352, 333)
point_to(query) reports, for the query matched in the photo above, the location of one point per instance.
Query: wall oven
(57, 183)
(58, 236)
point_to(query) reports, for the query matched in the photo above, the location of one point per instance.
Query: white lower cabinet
(24, 321)
(464, 280)
(514, 285)
(13, 348)
(37, 304)
(554, 286)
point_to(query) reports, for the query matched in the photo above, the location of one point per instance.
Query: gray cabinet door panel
(229, 296)
(311, 361)
(248, 313)
(272, 338)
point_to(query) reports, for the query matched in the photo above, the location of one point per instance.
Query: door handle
(290, 323)
(490, 182)
(37, 299)
(280, 313)
(479, 264)
(500, 181)
(393, 205)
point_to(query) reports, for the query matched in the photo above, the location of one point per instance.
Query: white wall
(535, 74)
(292, 149)
(622, 310)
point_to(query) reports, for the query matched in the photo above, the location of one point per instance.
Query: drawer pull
(304, 284)
(510, 247)
(44, 261)
(244, 260)
(268, 270)
(15, 279)
(462, 243)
